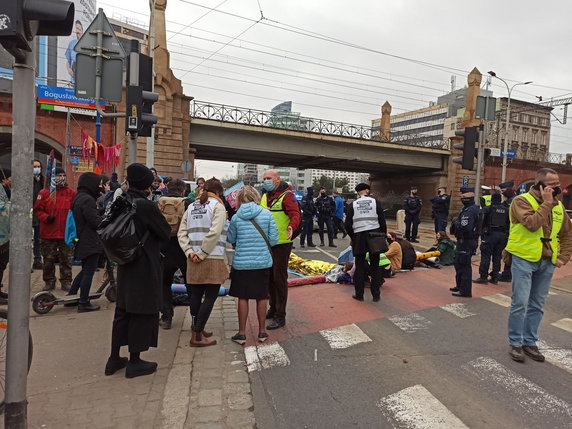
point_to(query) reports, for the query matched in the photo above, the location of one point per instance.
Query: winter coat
(86, 216)
(339, 207)
(326, 206)
(251, 251)
(447, 249)
(45, 207)
(139, 282)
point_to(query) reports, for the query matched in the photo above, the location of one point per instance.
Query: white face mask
(37, 171)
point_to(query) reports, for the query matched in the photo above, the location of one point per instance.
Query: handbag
(262, 234)
(377, 242)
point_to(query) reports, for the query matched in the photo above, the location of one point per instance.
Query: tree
(328, 183)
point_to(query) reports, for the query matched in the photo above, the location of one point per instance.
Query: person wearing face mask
(539, 241)
(326, 209)
(89, 248)
(412, 206)
(466, 229)
(39, 183)
(508, 194)
(156, 192)
(440, 208)
(52, 212)
(283, 206)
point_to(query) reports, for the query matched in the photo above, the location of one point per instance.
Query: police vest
(528, 244)
(498, 219)
(365, 214)
(199, 222)
(280, 217)
(488, 199)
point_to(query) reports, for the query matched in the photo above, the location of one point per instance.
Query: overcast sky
(404, 52)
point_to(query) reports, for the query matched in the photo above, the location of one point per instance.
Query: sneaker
(481, 280)
(239, 339)
(533, 353)
(276, 323)
(140, 368)
(516, 353)
(114, 365)
(454, 289)
(263, 336)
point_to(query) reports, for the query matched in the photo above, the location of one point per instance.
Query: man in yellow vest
(540, 240)
(283, 206)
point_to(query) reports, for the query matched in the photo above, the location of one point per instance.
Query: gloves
(50, 219)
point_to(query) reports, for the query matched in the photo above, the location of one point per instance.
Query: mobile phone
(537, 185)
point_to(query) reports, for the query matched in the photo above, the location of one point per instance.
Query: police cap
(506, 185)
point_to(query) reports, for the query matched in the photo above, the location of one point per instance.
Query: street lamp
(505, 150)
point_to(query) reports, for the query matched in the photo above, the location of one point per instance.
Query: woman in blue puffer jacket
(252, 259)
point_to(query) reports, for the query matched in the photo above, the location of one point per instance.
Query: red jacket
(289, 204)
(45, 207)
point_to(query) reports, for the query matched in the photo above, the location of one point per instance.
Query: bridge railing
(296, 122)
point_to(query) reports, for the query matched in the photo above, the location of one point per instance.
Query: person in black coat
(139, 283)
(412, 206)
(88, 248)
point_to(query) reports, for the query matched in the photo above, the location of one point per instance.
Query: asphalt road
(441, 363)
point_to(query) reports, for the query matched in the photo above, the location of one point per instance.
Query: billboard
(85, 11)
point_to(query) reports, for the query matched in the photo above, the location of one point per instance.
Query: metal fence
(295, 122)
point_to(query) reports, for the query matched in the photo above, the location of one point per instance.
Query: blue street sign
(522, 188)
(511, 153)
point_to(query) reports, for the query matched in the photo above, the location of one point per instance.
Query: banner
(230, 193)
(63, 97)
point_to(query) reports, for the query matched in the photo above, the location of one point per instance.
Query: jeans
(530, 285)
(82, 281)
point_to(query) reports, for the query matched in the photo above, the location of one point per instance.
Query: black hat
(60, 170)
(506, 185)
(322, 187)
(466, 190)
(362, 187)
(414, 188)
(139, 176)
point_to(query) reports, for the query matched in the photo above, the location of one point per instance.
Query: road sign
(511, 153)
(480, 113)
(99, 45)
(465, 181)
(495, 151)
(186, 166)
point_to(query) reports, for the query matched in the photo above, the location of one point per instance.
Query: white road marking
(346, 336)
(309, 251)
(562, 358)
(499, 299)
(415, 407)
(335, 258)
(412, 322)
(265, 357)
(533, 399)
(565, 324)
(459, 310)
(552, 293)
(315, 355)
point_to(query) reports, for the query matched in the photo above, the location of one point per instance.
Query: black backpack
(118, 233)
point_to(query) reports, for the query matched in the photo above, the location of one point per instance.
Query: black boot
(114, 365)
(139, 368)
(84, 307)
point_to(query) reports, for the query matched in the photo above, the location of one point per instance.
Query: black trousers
(201, 309)
(174, 260)
(138, 331)
(411, 226)
(340, 227)
(329, 226)
(307, 230)
(463, 269)
(440, 222)
(278, 287)
(492, 246)
(83, 280)
(362, 269)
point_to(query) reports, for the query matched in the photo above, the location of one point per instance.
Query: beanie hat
(139, 176)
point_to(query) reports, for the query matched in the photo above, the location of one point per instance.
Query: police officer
(326, 208)
(365, 216)
(412, 206)
(495, 235)
(508, 194)
(440, 209)
(486, 196)
(465, 229)
(308, 212)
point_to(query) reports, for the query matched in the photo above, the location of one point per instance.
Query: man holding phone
(540, 240)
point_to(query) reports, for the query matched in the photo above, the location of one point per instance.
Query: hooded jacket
(86, 216)
(45, 207)
(251, 251)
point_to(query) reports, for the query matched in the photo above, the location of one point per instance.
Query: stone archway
(43, 145)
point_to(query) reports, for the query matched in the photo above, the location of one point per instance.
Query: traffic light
(148, 98)
(22, 20)
(470, 137)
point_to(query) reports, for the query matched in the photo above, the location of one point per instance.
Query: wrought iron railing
(295, 122)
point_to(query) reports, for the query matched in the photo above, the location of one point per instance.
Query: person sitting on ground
(394, 253)
(447, 248)
(409, 256)
(252, 261)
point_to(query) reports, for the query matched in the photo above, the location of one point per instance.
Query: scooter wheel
(111, 293)
(42, 303)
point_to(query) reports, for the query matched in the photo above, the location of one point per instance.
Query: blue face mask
(269, 185)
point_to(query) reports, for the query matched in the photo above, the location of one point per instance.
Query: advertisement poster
(230, 193)
(85, 11)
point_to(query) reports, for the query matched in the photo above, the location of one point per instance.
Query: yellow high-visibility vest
(280, 217)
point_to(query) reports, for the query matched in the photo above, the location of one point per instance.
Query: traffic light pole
(481, 154)
(133, 81)
(23, 129)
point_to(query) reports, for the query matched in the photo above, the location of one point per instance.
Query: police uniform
(495, 235)
(465, 229)
(506, 275)
(441, 211)
(412, 207)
